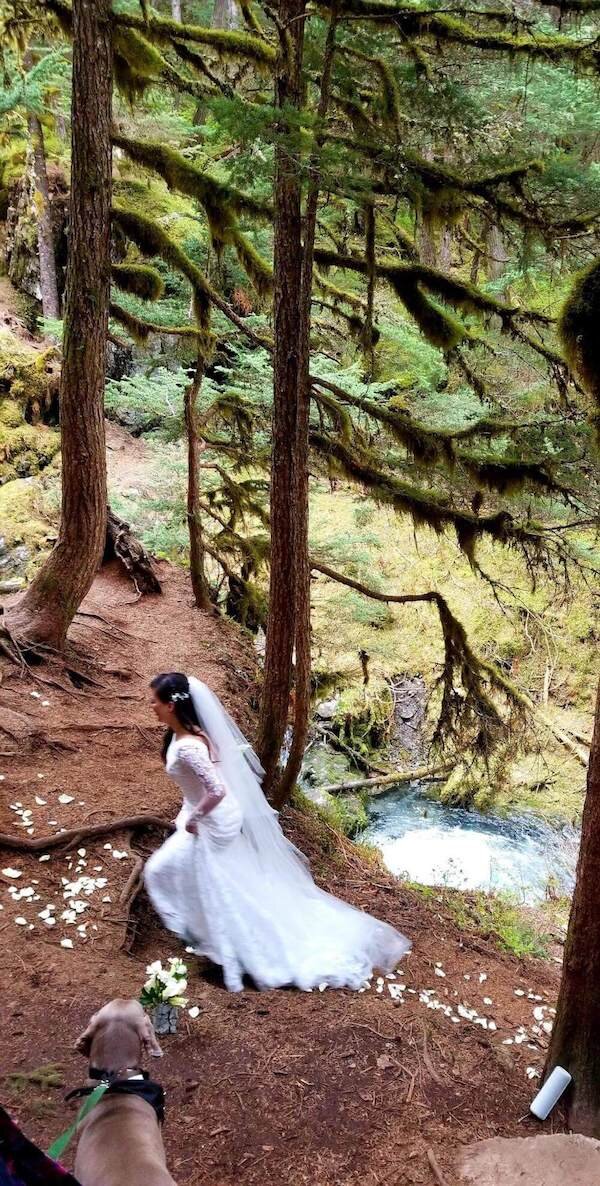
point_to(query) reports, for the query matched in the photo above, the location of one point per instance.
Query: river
(428, 842)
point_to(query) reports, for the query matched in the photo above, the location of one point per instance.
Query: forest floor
(281, 1087)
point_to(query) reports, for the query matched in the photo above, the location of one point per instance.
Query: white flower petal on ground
(20, 921)
(532, 1073)
(12, 873)
(322, 987)
(64, 799)
(439, 972)
(519, 992)
(66, 943)
(488, 1001)
(482, 977)
(538, 1013)
(194, 1011)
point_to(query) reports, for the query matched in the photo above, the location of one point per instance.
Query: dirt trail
(284, 1088)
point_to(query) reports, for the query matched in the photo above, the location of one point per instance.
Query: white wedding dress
(239, 892)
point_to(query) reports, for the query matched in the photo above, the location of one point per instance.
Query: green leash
(61, 1142)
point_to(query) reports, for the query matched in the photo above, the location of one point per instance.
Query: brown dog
(120, 1142)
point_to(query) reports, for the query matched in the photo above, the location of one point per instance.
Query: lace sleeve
(211, 789)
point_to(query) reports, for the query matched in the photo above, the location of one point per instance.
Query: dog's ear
(150, 1046)
(84, 1041)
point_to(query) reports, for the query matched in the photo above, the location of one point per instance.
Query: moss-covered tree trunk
(226, 15)
(287, 284)
(43, 212)
(197, 552)
(47, 609)
(575, 1041)
(45, 233)
(300, 490)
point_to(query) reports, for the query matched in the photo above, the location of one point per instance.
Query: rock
(21, 249)
(553, 1160)
(327, 709)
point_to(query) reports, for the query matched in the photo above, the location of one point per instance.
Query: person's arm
(211, 789)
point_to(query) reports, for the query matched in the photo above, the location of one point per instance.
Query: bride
(229, 883)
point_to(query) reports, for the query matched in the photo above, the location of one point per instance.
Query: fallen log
(387, 780)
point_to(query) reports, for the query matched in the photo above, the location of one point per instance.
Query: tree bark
(574, 1043)
(176, 10)
(197, 550)
(226, 15)
(45, 233)
(124, 547)
(497, 255)
(287, 284)
(300, 499)
(47, 609)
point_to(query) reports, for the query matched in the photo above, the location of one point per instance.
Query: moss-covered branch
(139, 279)
(460, 293)
(229, 43)
(218, 200)
(430, 509)
(415, 19)
(472, 717)
(221, 203)
(578, 329)
(140, 330)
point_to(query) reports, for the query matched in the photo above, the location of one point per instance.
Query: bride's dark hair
(173, 688)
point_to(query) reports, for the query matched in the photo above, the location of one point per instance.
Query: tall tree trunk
(226, 15)
(47, 609)
(299, 499)
(574, 1043)
(287, 283)
(45, 234)
(176, 10)
(197, 570)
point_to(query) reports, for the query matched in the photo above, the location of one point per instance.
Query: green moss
(26, 450)
(11, 414)
(230, 43)
(578, 329)
(153, 241)
(346, 815)
(139, 279)
(27, 512)
(221, 203)
(540, 774)
(502, 918)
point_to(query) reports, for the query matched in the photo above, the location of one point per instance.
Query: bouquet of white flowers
(165, 986)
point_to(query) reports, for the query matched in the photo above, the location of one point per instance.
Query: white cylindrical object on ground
(550, 1093)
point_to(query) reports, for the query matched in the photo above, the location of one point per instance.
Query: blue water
(433, 844)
